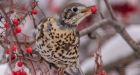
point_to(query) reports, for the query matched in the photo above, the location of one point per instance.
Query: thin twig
(41, 11)
(110, 10)
(33, 68)
(34, 22)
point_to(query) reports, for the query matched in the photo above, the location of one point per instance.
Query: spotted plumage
(58, 39)
(56, 45)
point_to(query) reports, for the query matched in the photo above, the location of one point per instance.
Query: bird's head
(73, 14)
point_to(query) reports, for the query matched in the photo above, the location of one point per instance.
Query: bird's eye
(74, 9)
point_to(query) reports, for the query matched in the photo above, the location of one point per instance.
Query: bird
(57, 39)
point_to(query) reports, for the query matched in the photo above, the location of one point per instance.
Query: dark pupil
(75, 9)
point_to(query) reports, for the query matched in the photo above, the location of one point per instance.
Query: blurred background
(118, 58)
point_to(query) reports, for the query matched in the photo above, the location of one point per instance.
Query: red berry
(14, 47)
(19, 63)
(18, 72)
(34, 11)
(23, 73)
(29, 50)
(7, 51)
(13, 56)
(103, 72)
(15, 21)
(17, 29)
(6, 25)
(93, 9)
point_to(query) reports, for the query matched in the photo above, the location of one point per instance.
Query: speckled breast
(59, 47)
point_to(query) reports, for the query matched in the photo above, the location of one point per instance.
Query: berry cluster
(19, 72)
(19, 63)
(16, 22)
(13, 46)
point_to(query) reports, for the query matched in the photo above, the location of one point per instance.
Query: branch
(110, 10)
(117, 64)
(93, 27)
(34, 22)
(119, 28)
(120, 63)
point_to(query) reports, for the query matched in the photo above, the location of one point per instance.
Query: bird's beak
(84, 14)
(87, 9)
